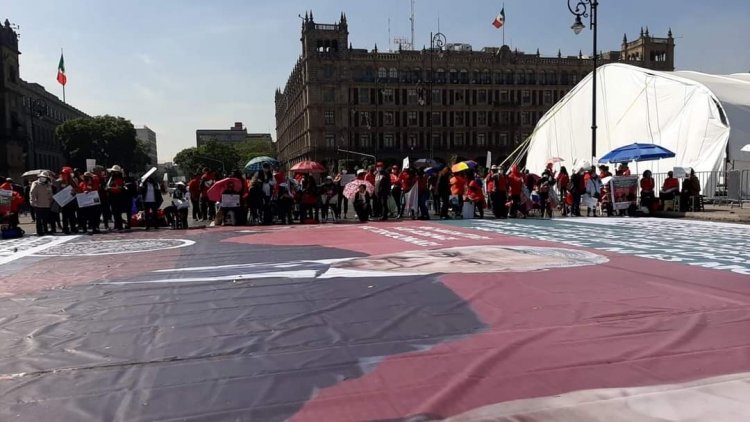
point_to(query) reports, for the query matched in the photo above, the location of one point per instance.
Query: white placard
(90, 164)
(64, 197)
(489, 159)
(405, 164)
(88, 199)
(148, 174)
(681, 172)
(230, 201)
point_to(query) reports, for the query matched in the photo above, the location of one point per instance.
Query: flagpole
(62, 55)
(503, 9)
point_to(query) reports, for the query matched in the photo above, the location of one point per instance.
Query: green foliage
(221, 157)
(109, 140)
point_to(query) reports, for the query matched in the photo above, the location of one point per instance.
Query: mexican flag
(499, 19)
(61, 72)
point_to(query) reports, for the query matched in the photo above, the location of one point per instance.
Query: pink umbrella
(218, 188)
(308, 167)
(351, 188)
(556, 160)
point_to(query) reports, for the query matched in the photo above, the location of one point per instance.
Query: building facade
(234, 135)
(437, 102)
(29, 115)
(148, 138)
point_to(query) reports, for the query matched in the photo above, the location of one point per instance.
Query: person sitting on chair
(669, 188)
(691, 188)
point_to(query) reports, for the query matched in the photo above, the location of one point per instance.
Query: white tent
(698, 116)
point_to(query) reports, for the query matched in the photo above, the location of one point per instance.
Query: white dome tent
(704, 119)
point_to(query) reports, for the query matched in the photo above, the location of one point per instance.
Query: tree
(248, 150)
(109, 140)
(214, 155)
(222, 157)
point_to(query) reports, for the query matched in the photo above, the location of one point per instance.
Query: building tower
(12, 128)
(324, 38)
(650, 52)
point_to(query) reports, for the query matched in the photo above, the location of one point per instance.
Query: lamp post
(587, 9)
(37, 108)
(223, 169)
(437, 40)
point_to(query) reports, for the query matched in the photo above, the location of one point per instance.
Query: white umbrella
(746, 148)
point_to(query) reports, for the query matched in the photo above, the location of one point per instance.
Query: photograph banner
(623, 191)
(88, 199)
(230, 201)
(64, 197)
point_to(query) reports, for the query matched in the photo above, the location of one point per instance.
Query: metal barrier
(713, 184)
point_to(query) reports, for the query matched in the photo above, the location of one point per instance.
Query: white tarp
(686, 112)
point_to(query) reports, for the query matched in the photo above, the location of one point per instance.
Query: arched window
(530, 77)
(393, 73)
(486, 76)
(440, 76)
(382, 73)
(464, 77)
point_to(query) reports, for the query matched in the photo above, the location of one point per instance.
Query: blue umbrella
(636, 152)
(256, 164)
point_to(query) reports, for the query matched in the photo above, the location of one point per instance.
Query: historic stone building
(234, 135)
(29, 115)
(431, 103)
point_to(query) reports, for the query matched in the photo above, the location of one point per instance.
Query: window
(328, 71)
(460, 99)
(504, 139)
(486, 77)
(412, 97)
(459, 118)
(436, 96)
(412, 141)
(388, 141)
(481, 140)
(382, 74)
(330, 140)
(458, 140)
(393, 73)
(437, 118)
(388, 118)
(364, 118)
(329, 117)
(437, 140)
(388, 97)
(329, 95)
(526, 97)
(364, 95)
(525, 118)
(365, 141)
(411, 118)
(547, 97)
(482, 96)
(482, 118)
(504, 97)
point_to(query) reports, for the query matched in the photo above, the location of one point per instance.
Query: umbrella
(431, 170)
(424, 162)
(33, 173)
(471, 164)
(308, 167)
(351, 188)
(556, 160)
(218, 188)
(636, 152)
(458, 167)
(746, 148)
(256, 164)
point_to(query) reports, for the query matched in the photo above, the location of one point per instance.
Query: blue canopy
(256, 164)
(636, 152)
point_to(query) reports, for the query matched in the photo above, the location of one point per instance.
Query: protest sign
(623, 191)
(64, 196)
(230, 201)
(88, 199)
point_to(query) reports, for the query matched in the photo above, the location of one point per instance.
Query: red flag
(499, 19)
(61, 72)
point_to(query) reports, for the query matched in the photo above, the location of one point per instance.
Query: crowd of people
(272, 196)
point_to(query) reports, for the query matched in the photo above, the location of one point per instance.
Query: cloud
(145, 58)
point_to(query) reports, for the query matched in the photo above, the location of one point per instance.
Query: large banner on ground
(623, 191)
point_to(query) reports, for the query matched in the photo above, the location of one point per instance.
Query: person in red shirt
(194, 187)
(516, 182)
(9, 213)
(92, 214)
(563, 179)
(670, 187)
(118, 198)
(476, 195)
(458, 189)
(647, 190)
(68, 212)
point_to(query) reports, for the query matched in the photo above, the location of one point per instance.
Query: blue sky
(180, 65)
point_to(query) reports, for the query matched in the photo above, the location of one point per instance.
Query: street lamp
(437, 40)
(587, 9)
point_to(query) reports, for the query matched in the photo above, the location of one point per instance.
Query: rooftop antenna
(390, 44)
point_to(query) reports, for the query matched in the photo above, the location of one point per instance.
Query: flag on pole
(61, 72)
(499, 19)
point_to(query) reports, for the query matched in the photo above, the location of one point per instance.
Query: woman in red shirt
(647, 190)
